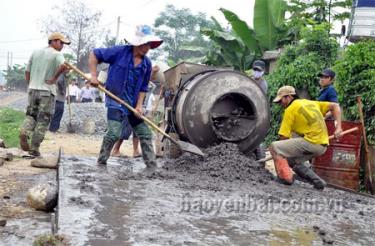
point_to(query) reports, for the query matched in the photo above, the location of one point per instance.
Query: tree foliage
(307, 13)
(299, 66)
(15, 77)
(79, 23)
(180, 30)
(356, 77)
(240, 46)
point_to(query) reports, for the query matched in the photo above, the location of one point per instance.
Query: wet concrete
(225, 199)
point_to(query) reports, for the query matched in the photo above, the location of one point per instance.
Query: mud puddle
(226, 199)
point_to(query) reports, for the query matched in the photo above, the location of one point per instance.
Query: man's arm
(62, 68)
(141, 98)
(93, 62)
(336, 112)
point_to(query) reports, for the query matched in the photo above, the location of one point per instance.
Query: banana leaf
(243, 31)
(268, 17)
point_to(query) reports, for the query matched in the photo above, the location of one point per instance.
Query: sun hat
(144, 35)
(59, 36)
(284, 91)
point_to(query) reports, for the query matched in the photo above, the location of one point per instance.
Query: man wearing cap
(327, 92)
(258, 72)
(128, 76)
(304, 118)
(44, 68)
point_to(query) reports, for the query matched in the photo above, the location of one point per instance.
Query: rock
(89, 127)
(327, 240)
(2, 161)
(15, 152)
(3, 222)
(45, 161)
(5, 154)
(42, 197)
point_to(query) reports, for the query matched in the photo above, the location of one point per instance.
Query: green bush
(356, 77)
(10, 121)
(298, 66)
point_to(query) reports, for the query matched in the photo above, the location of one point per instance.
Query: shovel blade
(191, 148)
(70, 128)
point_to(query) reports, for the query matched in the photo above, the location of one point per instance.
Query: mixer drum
(221, 106)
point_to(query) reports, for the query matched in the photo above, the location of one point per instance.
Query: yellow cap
(59, 36)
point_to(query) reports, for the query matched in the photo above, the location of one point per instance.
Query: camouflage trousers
(41, 105)
(114, 128)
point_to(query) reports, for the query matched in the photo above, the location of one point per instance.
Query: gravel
(87, 118)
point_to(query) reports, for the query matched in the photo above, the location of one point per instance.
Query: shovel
(330, 137)
(70, 127)
(184, 146)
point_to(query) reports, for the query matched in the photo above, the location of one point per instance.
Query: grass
(10, 122)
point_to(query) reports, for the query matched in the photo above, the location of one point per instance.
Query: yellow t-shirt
(305, 118)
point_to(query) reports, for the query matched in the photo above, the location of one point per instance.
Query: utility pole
(8, 60)
(118, 30)
(11, 59)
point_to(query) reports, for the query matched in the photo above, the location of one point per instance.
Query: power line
(20, 41)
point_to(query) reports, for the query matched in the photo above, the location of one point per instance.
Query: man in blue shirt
(128, 76)
(327, 91)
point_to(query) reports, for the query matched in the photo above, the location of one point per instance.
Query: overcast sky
(20, 31)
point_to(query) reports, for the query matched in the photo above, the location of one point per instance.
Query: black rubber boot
(310, 175)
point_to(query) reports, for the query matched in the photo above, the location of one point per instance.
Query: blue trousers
(56, 118)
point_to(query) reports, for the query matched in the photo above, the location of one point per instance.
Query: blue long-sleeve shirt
(124, 80)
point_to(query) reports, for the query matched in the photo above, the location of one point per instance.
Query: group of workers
(128, 78)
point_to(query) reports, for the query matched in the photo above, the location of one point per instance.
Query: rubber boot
(145, 137)
(105, 150)
(284, 173)
(310, 175)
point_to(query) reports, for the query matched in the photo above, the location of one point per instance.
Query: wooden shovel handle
(100, 87)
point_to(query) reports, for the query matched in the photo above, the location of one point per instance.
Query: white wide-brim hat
(144, 35)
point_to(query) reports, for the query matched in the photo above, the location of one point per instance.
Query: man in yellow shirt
(306, 119)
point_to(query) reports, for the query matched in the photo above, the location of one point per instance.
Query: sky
(20, 31)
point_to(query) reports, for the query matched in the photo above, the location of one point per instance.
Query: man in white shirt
(87, 93)
(74, 91)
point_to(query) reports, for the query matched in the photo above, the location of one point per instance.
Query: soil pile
(223, 161)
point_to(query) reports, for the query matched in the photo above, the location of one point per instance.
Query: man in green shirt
(44, 67)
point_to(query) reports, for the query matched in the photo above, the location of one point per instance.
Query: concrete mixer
(207, 105)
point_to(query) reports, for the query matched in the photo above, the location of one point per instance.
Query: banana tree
(240, 46)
